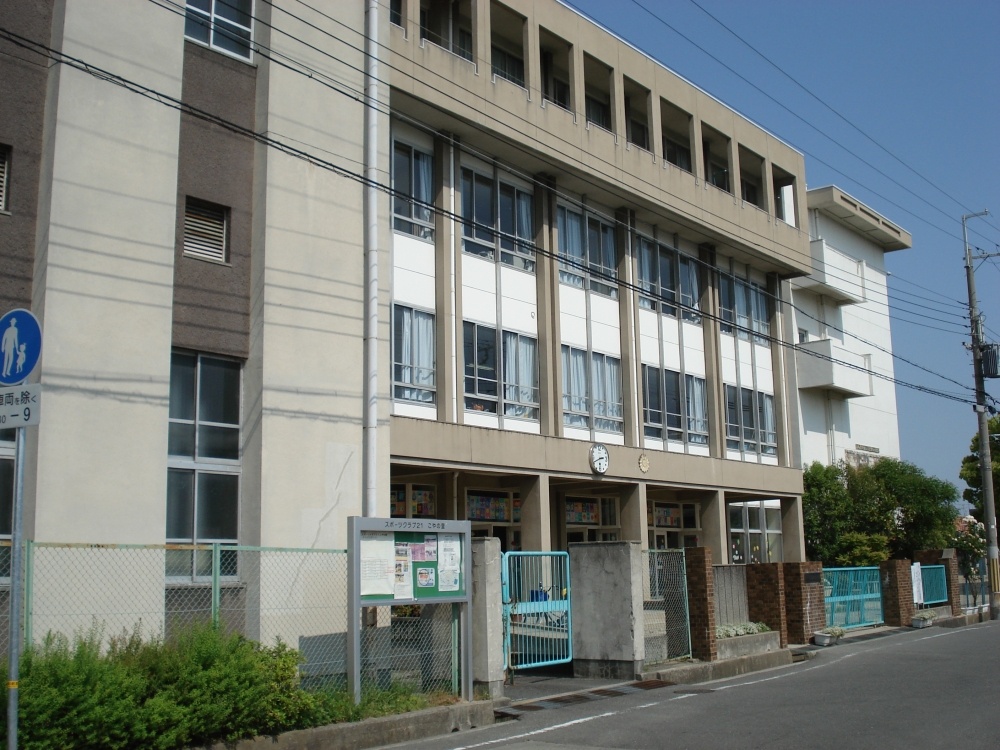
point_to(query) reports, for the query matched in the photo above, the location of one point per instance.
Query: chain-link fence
(667, 632)
(297, 596)
(731, 604)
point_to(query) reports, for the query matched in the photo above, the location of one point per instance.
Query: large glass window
(225, 25)
(657, 276)
(413, 355)
(480, 367)
(662, 414)
(203, 476)
(755, 532)
(690, 289)
(696, 409)
(607, 393)
(587, 252)
(576, 394)
(592, 395)
(412, 185)
(751, 424)
(744, 305)
(497, 217)
(520, 375)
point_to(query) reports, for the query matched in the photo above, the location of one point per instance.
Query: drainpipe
(370, 420)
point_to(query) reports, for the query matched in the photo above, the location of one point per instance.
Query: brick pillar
(897, 592)
(938, 557)
(701, 602)
(805, 606)
(766, 597)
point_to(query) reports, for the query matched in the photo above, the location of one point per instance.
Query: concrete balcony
(823, 364)
(836, 275)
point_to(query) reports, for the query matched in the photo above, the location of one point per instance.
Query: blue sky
(921, 79)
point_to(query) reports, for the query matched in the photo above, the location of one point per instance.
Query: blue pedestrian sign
(20, 346)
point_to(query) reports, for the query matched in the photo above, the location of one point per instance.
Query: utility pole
(985, 460)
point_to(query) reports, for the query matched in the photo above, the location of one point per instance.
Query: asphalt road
(934, 688)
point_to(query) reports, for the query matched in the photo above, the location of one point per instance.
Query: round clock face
(599, 458)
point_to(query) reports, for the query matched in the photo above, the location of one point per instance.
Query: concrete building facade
(847, 395)
(582, 262)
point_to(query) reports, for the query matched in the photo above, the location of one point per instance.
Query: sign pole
(16, 593)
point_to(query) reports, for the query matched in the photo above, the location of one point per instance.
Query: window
(607, 393)
(690, 289)
(750, 421)
(745, 305)
(592, 519)
(203, 474)
(657, 277)
(508, 66)
(672, 525)
(576, 396)
(225, 25)
(412, 185)
(480, 368)
(396, 12)
(598, 111)
(497, 216)
(206, 230)
(696, 409)
(677, 153)
(413, 355)
(520, 376)
(661, 393)
(749, 190)
(755, 532)
(4, 176)
(591, 256)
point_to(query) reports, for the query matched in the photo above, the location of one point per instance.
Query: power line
(272, 142)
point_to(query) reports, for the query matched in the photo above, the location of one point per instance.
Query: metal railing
(853, 597)
(297, 596)
(537, 614)
(666, 625)
(731, 604)
(935, 583)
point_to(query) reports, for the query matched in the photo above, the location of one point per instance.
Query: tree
(970, 473)
(864, 515)
(969, 542)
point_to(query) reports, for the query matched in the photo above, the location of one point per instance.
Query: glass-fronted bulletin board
(394, 561)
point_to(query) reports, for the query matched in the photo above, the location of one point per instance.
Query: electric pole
(985, 460)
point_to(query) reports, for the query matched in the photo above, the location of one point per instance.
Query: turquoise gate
(538, 623)
(853, 597)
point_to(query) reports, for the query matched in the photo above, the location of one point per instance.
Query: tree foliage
(970, 474)
(865, 515)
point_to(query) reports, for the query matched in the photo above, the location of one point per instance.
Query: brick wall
(805, 607)
(766, 597)
(701, 602)
(897, 592)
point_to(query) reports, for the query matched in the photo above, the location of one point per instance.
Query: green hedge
(203, 687)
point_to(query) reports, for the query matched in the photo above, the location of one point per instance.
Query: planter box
(745, 645)
(825, 639)
(921, 623)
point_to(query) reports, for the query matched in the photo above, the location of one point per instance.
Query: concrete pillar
(536, 517)
(766, 597)
(633, 518)
(701, 602)
(713, 525)
(608, 636)
(793, 541)
(805, 608)
(897, 592)
(487, 617)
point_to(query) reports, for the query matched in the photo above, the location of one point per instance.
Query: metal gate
(537, 618)
(853, 597)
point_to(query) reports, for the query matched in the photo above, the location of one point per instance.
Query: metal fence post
(216, 593)
(29, 577)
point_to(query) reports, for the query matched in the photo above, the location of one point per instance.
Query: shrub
(743, 628)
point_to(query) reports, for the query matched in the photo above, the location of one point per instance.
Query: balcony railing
(823, 364)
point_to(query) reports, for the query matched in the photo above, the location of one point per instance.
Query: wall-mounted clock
(599, 458)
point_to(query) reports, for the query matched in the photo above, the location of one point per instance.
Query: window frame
(217, 23)
(400, 385)
(200, 466)
(592, 268)
(512, 389)
(508, 233)
(654, 259)
(412, 214)
(479, 398)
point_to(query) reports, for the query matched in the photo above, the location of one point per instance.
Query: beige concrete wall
(307, 306)
(103, 278)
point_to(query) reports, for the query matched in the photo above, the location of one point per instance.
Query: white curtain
(415, 355)
(607, 389)
(422, 184)
(525, 225)
(570, 226)
(696, 397)
(520, 374)
(574, 376)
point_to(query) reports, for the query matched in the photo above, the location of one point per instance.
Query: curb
(384, 730)
(689, 673)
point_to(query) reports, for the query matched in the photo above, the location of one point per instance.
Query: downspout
(370, 420)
